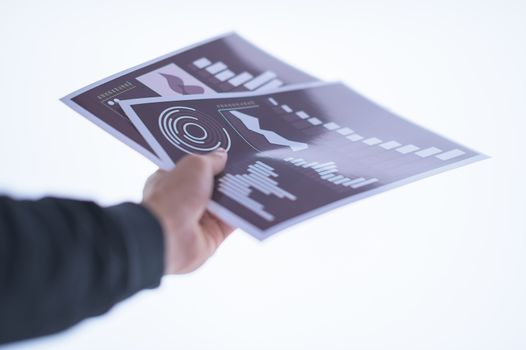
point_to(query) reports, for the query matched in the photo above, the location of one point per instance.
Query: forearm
(62, 261)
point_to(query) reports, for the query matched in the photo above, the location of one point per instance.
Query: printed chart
(294, 152)
(223, 64)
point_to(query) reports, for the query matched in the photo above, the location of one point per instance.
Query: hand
(178, 198)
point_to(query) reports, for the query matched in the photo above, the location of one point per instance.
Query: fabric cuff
(144, 240)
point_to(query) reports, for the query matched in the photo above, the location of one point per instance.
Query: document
(227, 63)
(293, 152)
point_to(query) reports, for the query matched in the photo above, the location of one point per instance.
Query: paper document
(294, 152)
(223, 64)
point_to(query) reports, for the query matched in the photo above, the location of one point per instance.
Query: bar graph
(273, 84)
(216, 68)
(351, 135)
(261, 79)
(258, 177)
(202, 63)
(244, 79)
(328, 171)
(240, 79)
(225, 75)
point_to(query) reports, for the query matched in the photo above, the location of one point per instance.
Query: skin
(178, 198)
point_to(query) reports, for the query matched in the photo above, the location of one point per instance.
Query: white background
(438, 264)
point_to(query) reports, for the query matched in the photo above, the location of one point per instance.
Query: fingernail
(220, 150)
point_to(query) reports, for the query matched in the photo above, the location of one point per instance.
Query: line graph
(252, 123)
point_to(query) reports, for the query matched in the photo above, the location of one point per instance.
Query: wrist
(166, 228)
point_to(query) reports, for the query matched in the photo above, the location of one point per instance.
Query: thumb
(204, 165)
(194, 176)
(217, 160)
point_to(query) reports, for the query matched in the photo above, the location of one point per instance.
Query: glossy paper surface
(225, 64)
(294, 152)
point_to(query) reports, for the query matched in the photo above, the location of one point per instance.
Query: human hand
(178, 198)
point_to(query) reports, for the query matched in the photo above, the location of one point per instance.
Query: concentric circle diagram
(192, 131)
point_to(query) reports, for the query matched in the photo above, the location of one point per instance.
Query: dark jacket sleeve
(64, 260)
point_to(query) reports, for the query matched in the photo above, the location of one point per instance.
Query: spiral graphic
(192, 131)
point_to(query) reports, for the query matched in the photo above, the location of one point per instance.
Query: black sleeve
(64, 260)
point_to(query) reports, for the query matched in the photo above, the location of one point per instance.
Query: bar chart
(243, 80)
(278, 173)
(258, 177)
(328, 171)
(353, 136)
